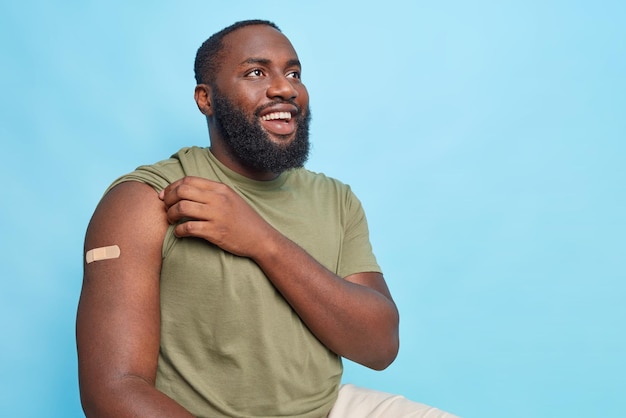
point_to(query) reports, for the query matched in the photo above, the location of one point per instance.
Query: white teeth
(277, 115)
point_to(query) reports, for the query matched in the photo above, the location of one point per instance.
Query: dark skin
(118, 317)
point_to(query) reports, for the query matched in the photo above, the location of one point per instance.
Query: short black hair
(207, 58)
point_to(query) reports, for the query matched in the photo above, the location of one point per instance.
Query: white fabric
(356, 402)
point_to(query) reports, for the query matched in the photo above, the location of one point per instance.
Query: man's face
(259, 102)
(252, 145)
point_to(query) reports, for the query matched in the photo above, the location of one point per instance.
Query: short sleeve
(357, 255)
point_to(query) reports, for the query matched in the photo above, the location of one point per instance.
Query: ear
(202, 94)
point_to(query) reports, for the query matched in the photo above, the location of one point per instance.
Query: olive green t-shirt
(230, 343)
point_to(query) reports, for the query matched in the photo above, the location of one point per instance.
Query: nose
(282, 87)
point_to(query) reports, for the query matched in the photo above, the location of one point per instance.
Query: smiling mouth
(277, 116)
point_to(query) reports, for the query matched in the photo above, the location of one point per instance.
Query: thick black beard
(251, 145)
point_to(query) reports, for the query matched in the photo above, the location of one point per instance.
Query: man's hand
(215, 212)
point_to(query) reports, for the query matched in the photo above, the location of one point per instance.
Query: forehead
(258, 42)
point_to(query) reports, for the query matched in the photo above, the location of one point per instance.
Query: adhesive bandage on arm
(102, 253)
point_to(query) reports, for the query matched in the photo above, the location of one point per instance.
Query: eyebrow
(265, 61)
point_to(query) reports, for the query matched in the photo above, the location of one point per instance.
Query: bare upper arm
(118, 317)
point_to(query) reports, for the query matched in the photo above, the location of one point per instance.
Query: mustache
(291, 102)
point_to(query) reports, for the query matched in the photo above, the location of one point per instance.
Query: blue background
(485, 139)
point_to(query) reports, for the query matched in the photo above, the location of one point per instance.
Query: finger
(173, 185)
(187, 188)
(191, 182)
(196, 229)
(210, 232)
(187, 209)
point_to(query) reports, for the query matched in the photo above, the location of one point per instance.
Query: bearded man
(229, 280)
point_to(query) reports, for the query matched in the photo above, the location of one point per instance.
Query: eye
(294, 74)
(254, 73)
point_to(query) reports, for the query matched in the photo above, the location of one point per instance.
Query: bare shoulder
(124, 209)
(132, 218)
